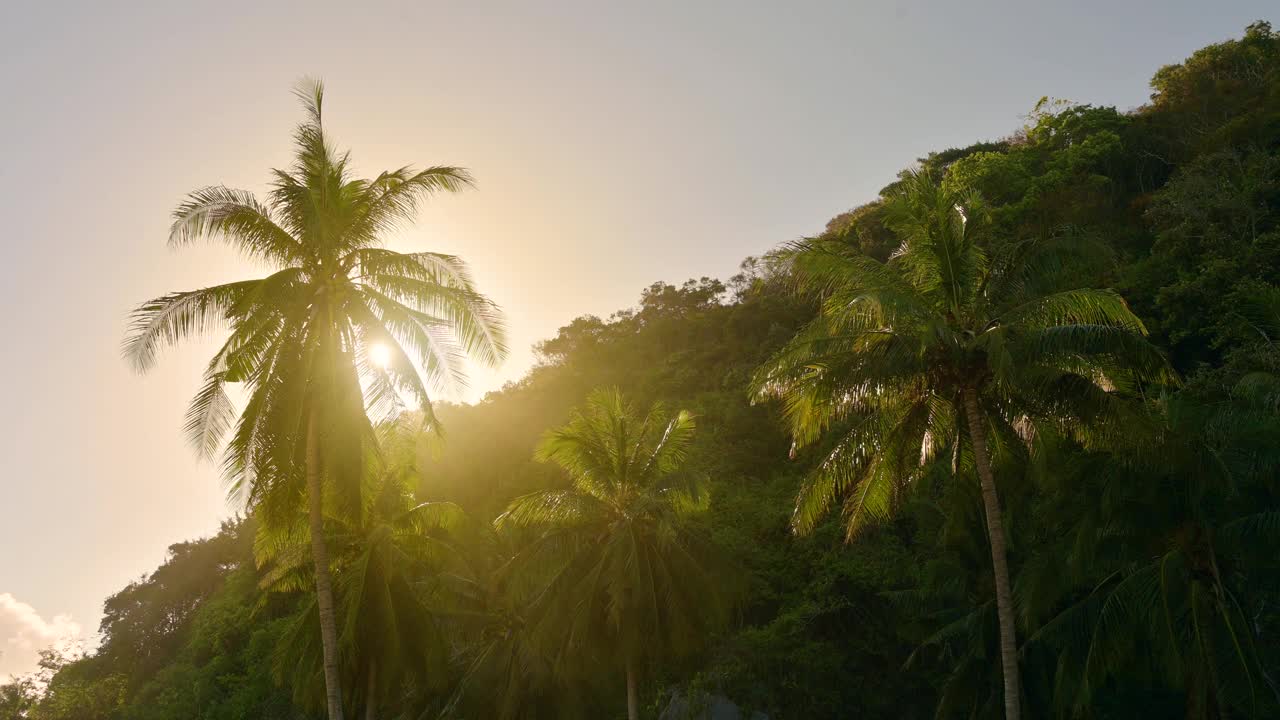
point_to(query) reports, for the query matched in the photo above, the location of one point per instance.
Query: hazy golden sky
(615, 144)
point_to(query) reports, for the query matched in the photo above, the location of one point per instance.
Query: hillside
(1179, 203)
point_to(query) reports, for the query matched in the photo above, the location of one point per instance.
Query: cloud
(23, 634)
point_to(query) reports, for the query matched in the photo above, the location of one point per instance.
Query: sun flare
(380, 355)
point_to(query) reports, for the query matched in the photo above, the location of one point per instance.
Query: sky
(615, 144)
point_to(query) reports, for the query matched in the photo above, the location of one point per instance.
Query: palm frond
(239, 218)
(474, 320)
(177, 316)
(551, 508)
(393, 197)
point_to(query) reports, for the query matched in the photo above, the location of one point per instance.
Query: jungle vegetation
(1003, 442)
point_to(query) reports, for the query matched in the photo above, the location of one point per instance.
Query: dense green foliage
(1141, 554)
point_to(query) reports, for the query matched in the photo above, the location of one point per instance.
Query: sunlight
(380, 355)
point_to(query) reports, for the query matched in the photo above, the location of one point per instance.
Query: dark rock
(705, 707)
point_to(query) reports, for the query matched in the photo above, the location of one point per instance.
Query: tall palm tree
(940, 342)
(340, 328)
(626, 570)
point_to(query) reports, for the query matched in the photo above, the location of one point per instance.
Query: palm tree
(944, 341)
(626, 569)
(340, 328)
(1184, 561)
(387, 561)
(507, 672)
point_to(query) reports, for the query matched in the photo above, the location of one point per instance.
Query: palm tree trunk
(371, 693)
(1000, 565)
(320, 556)
(633, 697)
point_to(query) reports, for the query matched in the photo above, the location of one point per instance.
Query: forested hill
(1147, 583)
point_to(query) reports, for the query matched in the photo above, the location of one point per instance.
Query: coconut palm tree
(387, 562)
(1183, 566)
(944, 341)
(626, 572)
(340, 328)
